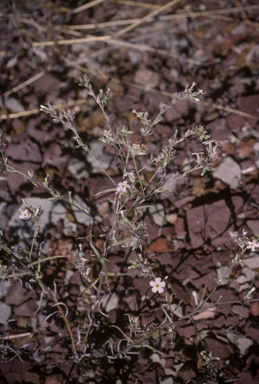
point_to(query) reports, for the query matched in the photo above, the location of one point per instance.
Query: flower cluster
(138, 149)
(243, 241)
(130, 175)
(81, 262)
(206, 162)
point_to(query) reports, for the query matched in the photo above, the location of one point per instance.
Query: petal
(157, 280)
(160, 290)
(162, 284)
(152, 283)
(154, 289)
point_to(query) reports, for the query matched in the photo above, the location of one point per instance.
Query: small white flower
(122, 187)
(25, 215)
(252, 245)
(107, 133)
(130, 175)
(248, 295)
(125, 174)
(158, 285)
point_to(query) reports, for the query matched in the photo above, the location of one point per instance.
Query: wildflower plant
(131, 199)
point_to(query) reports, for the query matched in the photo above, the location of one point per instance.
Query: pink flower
(252, 245)
(122, 187)
(158, 285)
(24, 215)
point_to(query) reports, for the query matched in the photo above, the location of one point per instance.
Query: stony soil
(214, 44)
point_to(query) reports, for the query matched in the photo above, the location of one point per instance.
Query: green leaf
(202, 297)
(143, 207)
(228, 310)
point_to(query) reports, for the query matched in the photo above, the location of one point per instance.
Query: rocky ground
(45, 47)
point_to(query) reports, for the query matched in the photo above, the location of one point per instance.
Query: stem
(153, 177)
(66, 322)
(39, 184)
(68, 328)
(139, 179)
(45, 259)
(32, 244)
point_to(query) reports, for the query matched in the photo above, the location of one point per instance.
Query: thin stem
(33, 241)
(45, 259)
(136, 168)
(39, 184)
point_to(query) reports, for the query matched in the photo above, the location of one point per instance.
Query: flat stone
(77, 169)
(246, 276)
(5, 313)
(171, 218)
(252, 262)
(167, 380)
(110, 302)
(97, 149)
(249, 104)
(81, 217)
(176, 111)
(240, 29)
(229, 172)
(256, 149)
(170, 187)
(4, 286)
(242, 342)
(240, 310)
(147, 77)
(135, 56)
(222, 272)
(13, 104)
(158, 213)
(209, 222)
(218, 129)
(177, 312)
(155, 357)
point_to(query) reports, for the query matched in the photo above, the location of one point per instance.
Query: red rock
(254, 308)
(146, 77)
(209, 222)
(46, 84)
(234, 121)
(25, 151)
(161, 245)
(178, 110)
(249, 104)
(218, 130)
(132, 302)
(26, 309)
(246, 147)
(218, 349)
(179, 226)
(250, 374)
